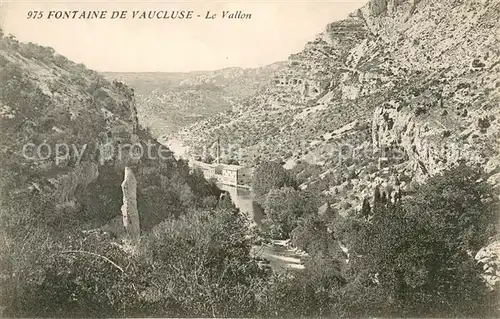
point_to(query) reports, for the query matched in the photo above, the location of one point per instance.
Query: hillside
(169, 101)
(395, 93)
(67, 140)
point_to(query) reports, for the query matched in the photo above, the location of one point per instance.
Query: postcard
(247, 158)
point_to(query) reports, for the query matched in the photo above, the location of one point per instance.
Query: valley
(358, 179)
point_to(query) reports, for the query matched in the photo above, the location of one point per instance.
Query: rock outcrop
(489, 257)
(419, 77)
(58, 114)
(130, 214)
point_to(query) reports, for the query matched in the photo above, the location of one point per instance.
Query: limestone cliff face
(449, 108)
(417, 76)
(56, 117)
(399, 91)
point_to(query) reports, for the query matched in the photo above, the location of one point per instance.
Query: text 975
(35, 15)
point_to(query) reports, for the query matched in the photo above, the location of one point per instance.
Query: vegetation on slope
(411, 256)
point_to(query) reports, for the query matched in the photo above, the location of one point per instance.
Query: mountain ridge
(168, 101)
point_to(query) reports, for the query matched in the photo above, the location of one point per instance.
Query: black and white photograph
(250, 159)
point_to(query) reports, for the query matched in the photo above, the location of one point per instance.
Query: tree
(307, 293)
(284, 207)
(419, 251)
(270, 175)
(313, 236)
(82, 275)
(376, 195)
(203, 266)
(366, 208)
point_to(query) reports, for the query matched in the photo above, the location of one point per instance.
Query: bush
(203, 266)
(313, 236)
(82, 275)
(311, 292)
(198, 265)
(268, 176)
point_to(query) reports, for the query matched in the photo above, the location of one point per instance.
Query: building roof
(231, 167)
(214, 165)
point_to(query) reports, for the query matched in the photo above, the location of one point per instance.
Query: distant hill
(169, 101)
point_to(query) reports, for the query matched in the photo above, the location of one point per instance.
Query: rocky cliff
(56, 115)
(417, 78)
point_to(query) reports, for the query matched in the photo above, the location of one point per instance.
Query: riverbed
(279, 255)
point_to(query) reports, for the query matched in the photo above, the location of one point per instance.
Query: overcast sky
(277, 29)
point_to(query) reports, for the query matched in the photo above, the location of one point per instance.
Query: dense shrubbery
(203, 266)
(198, 265)
(268, 176)
(409, 256)
(80, 275)
(284, 207)
(412, 257)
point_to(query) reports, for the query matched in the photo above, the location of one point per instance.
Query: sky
(277, 28)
